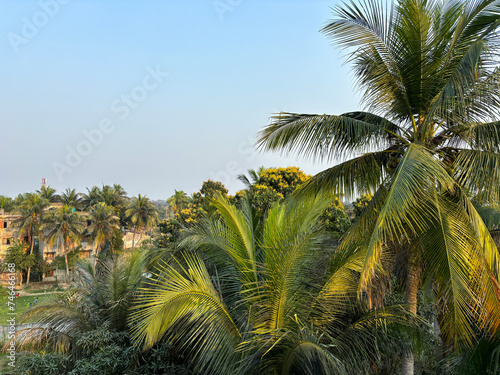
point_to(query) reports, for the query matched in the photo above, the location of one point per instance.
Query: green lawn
(22, 305)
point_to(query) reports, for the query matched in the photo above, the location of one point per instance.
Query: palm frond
(464, 277)
(288, 241)
(324, 137)
(360, 175)
(230, 237)
(469, 169)
(405, 212)
(186, 306)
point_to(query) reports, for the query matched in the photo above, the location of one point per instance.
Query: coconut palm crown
(430, 134)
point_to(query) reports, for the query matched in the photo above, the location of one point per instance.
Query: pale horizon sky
(158, 95)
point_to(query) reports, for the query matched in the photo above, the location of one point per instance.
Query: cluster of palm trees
(68, 218)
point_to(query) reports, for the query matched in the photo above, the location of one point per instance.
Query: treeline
(99, 216)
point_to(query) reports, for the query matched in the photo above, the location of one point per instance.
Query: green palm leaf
(323, 136)
(405, 212)
(185, 305)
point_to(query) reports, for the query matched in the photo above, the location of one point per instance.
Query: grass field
(22, 305)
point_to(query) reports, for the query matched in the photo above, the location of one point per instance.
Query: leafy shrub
(41, 364)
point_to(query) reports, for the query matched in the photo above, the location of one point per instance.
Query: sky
(158, 95)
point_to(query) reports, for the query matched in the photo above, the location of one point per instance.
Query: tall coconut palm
(48, 193)
(103, 224)
(72, 199)
(142, 215)
(64, 225)
(428, 71)
(31, 210)
(178, 201)
(91, 198)
(269, 307)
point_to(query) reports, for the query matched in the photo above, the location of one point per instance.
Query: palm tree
(32, 210)
(178, 201)
(103, 223)
(72, 199)
(48, 193)
(101, 299)
(268, 307)
(91, 198)
(64, 225)
(429, 77)
(6, 203)
(142, 215)
(254, 177)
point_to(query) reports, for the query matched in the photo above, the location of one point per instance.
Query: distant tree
(212, 189)
(142, 215)
(18, 254)
(91, 198)
(113, 196)
(117, 242)
(70, 259)
(178, 201)
(6, 203)
(64, 225)
(360, 204)
(283, 180)
(41, 267)
(272, 185)
(169, 232)
(254, 178)
(103, 224)
(49, 194)
(31, 210)
(335, 218)
(200, 203)
(72, 199)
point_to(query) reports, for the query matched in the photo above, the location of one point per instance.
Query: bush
(41, 364)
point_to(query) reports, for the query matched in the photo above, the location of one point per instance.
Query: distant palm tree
(103, 298)
(142, 215)
(72, 199)
(32, 210)
(91, 198)
(64, 225)
(49, 194)
(103, 224)
(254, 177)
(6, 203)
(178, 201)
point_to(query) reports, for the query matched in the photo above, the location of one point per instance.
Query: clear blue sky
(180, 89)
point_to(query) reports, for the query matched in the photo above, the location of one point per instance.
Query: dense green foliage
(281, 278)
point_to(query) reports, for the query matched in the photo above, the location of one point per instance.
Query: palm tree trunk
(66, 260)
(97, 250)
(133, 238)
(31, 252)
(40, 248)
(412, 281)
